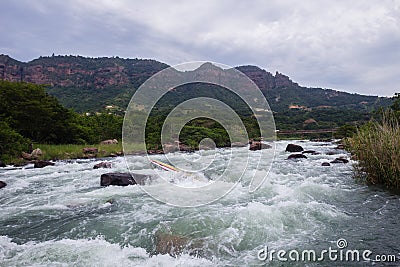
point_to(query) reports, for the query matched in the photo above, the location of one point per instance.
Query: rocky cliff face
(70, 71)
(88, 84)
(265, 80)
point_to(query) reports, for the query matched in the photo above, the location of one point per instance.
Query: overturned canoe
(163, 166)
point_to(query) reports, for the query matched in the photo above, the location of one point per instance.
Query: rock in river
(102, 165)
(42, 164)
(340, 160)
(2, 184)
(256, 145)
(123, 179)
(294, 148)
(297, 156)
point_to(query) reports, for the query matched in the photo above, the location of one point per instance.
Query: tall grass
(59, 152)
(377, 149)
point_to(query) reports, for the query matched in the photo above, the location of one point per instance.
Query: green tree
(31, 112)
(396, 104)
(11, 143)
(346, 130)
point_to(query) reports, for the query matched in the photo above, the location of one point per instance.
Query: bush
(346, 131)
(11, 143)
(376, 145)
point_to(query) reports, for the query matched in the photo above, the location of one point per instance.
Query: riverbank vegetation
(29, 115)
(74, 151)
(376, 146)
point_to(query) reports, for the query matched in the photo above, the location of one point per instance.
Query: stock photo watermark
(339, 253)
(254, 167)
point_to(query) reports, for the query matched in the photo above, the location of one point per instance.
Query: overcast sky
(351, 46)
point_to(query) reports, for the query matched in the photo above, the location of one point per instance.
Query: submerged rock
(2, 184)
(331, 153)
(340, 160)
(294, 148)
(340, 146)
(324, 140)
(325, 164)
(297, 156)
(256, 145)
(102, 165)
(174, 245)
(170, 244)
(123, 179)
(313, 152)
(42, 164)
(20, 164)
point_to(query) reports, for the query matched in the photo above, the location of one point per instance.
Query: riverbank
(70, 151)
(376, 146)
(52, 152)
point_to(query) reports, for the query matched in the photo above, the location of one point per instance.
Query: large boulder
(2, 184)
(36, 153)
(297, 156)
(109, 142)
(123, 179)
(26, 156)
(42, 164)
(294, 148)
(256, 145)
(106, 165)
(169, 148)
(2, 164)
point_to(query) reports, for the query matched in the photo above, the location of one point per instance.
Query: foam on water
(84, 252)
(60, 216)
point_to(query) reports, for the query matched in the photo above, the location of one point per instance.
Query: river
(60, 216)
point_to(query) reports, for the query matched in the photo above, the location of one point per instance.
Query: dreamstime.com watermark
(340, 253)
(209, 79)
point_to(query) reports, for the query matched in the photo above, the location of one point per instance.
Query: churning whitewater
(61, 216)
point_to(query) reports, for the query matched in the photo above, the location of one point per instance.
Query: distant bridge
(319, 131)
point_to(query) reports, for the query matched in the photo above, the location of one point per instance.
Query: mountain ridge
(90, 84)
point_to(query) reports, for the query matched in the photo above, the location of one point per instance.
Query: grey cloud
(339, 44)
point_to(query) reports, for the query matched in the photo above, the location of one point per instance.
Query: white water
(60, 216)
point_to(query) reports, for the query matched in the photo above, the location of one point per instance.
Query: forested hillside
(106, 85)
